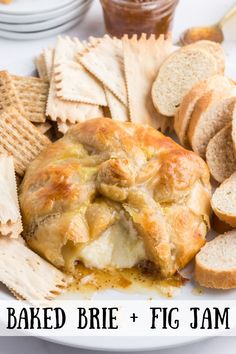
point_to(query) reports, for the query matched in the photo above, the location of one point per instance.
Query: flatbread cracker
(48, 55)
(32, 93)
(27, 274)
(63, 127)
(73, 112)
(8, 94)
(66, 111)
(73, 81)
(117, 109)
(20, 138)
(10, 217)
(105, 61)
(142, 60)
(41, 67)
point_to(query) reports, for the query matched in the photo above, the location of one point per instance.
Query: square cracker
(27, 275)
(32, 93)
(104, 59)
(63, 127)
(8, 93)
(10, 218)
(20, 138)
(73, 81)
(142, 60)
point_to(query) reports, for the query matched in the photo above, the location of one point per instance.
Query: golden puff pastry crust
(103, 170)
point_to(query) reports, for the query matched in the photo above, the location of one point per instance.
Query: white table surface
(17, 57)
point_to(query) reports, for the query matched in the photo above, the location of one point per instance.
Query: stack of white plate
(32, 19)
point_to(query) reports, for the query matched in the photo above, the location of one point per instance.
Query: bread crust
(234, 129)
(203, 105)
(184, 114)
(221, 165)
(129, 167)
(211, 277)
(224, 216)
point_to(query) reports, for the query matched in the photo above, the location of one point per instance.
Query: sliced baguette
(214, 49)
(183, 115)
(215, 264)
(224, 201)
(220, 155)
(212, 112)
(178, 74)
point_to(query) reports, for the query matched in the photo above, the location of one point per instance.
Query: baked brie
(111, 195)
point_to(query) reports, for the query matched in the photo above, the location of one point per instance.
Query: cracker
(73, 81)
(117, 109)
(105, 61)
(73, 112)
(63, 127)
(41, 67)
(20, 138)
(142, 60)
(67, 48)
(95, 112)
(8, 94)
(48, 55)
(10, 218)
(32, 93)
(27, 274)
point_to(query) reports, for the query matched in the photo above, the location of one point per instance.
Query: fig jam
(138, 16)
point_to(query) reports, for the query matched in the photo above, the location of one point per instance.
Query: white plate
(46, 25)
(37, 17)
(113, 344)
(27, 7)
(42, 34)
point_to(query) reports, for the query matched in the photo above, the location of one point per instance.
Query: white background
(17, 57)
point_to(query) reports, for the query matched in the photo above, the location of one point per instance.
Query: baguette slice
(179, 72)
(214, 49)
(220, 155)
(224, 201)
(183, 115)
(212, 112)
(215, 264)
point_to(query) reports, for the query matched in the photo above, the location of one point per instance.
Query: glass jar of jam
(138, 16)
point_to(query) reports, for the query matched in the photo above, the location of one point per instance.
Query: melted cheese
(118, 247)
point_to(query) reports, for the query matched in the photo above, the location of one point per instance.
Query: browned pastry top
(103, 170)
